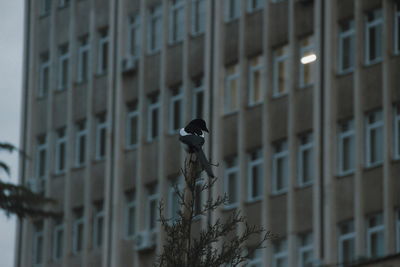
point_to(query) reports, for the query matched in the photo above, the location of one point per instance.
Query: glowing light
(308, 59)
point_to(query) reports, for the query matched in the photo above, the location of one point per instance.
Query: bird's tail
(204, 162)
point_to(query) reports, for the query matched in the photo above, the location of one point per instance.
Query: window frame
(256, 259)
(153, 107)
(259, 67)
(377, 125)
(229, 79)
(57, 228)
(45, 7)
(37, 234)
(282, 254)
(83, 49)
(251, 8)
(176, 32)
(378, 229)
(198, 17)
(305, 50)
(172, 194)
(304, 147)
(275, 75)
(282, 154)
(398, 231)
(63, 3)
(175, 99)
(103, 43)
(344, 34)
(134, 31)
(131, 115)
(39, 148)
(76, 224)
(80, 132)
(130, 205)
(396, 30)
(228, 16)
(154, 17)
(64, 55)
(254, 163)
(342, 135)
(396, 129)
(99, 215)
(368, 25)
(234, 169)
(305, 248)
(196, 91)
(101, 125)
(349, 236)
(44, 67)
(152, 196)
(61, 141)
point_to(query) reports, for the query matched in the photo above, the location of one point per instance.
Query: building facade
(302, 98)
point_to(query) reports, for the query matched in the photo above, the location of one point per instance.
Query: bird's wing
(193, 141)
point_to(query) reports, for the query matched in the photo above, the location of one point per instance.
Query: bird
(192, 136)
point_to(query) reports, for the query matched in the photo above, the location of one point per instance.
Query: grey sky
(11, 51)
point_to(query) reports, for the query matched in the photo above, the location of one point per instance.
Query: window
(38, 244)
(152, 216)
(177, 20)
(83, 59)
(232, 10)
(45, 7)
(174, 200)
(44, 75)
(231, 182)
(154, 29)
(255, 175)
(103, 52)
(198, 16)
(398, 231)
(397, 30)
(231, 94)
(347, 236)
(175, 110)
(130, 215)
(306, 250)
(41, 155)
(153, 118)
(280, 71)
(64, 3)
(78, 232)
(98, 225)
(306, 160)
(280, 167)
(346, 149)
(254, 5)
(307, 64)
(58, 239)
(375, 238)
(280, 254)
(255, 74)
(346, 46)
(80, 144)
(63, 68)
(134, 36)
(198, 99)
(397, 131)
(373, 36)
(374, 138)
(61, 147)
(101, 135)
(132, 126)
(255, 259)
(198, 200)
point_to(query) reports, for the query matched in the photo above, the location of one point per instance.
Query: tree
(18, 199)
(183, 249)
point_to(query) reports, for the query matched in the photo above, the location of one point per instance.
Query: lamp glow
(308, 59)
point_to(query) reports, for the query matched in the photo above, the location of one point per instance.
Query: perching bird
(193, 137)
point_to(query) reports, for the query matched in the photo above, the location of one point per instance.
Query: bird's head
(200, 123)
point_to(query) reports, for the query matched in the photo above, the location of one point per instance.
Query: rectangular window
(153, 118)
(134, 36)
(98, 225)
(254, 5)
(346, 148)
(41, 155)
(375, 238)
(198, 16)
(396, 128)
(80, 143)
(307, 62)
(346, 250)
(63, 68)
(44, 75)
(255, 73)
(255, 259)
(83, 59)
(198, 99)
(58, 240)
(176, 20)
(103, 52)
(61, 147)
(64, 3)
(231, 182)
(132, 126)
(78, 232)
(305, 160)
(280, 167)
(306, 250)
(231, 94)
(255, 175)
(152, 198)
(198, 200)
(397, 29)
(154, 32)
(101, 136)
(174, 200)
(130, 215)
(38, 244)
(373, 36)
(346, 46)
(280, 71)
(280, 254)
(232, 10)
(374, 138)
(45, 7)
(175, 109)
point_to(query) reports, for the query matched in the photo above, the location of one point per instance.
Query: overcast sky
(11, 50)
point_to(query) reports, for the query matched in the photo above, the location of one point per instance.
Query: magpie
(193, 138)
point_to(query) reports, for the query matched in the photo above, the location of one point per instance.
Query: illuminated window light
(308, 59)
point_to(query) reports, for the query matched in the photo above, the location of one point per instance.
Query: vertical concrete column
(359, 221)
(388, 178)
(291, 136)
(330, 136)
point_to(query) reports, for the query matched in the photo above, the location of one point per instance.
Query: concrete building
(302, 98)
